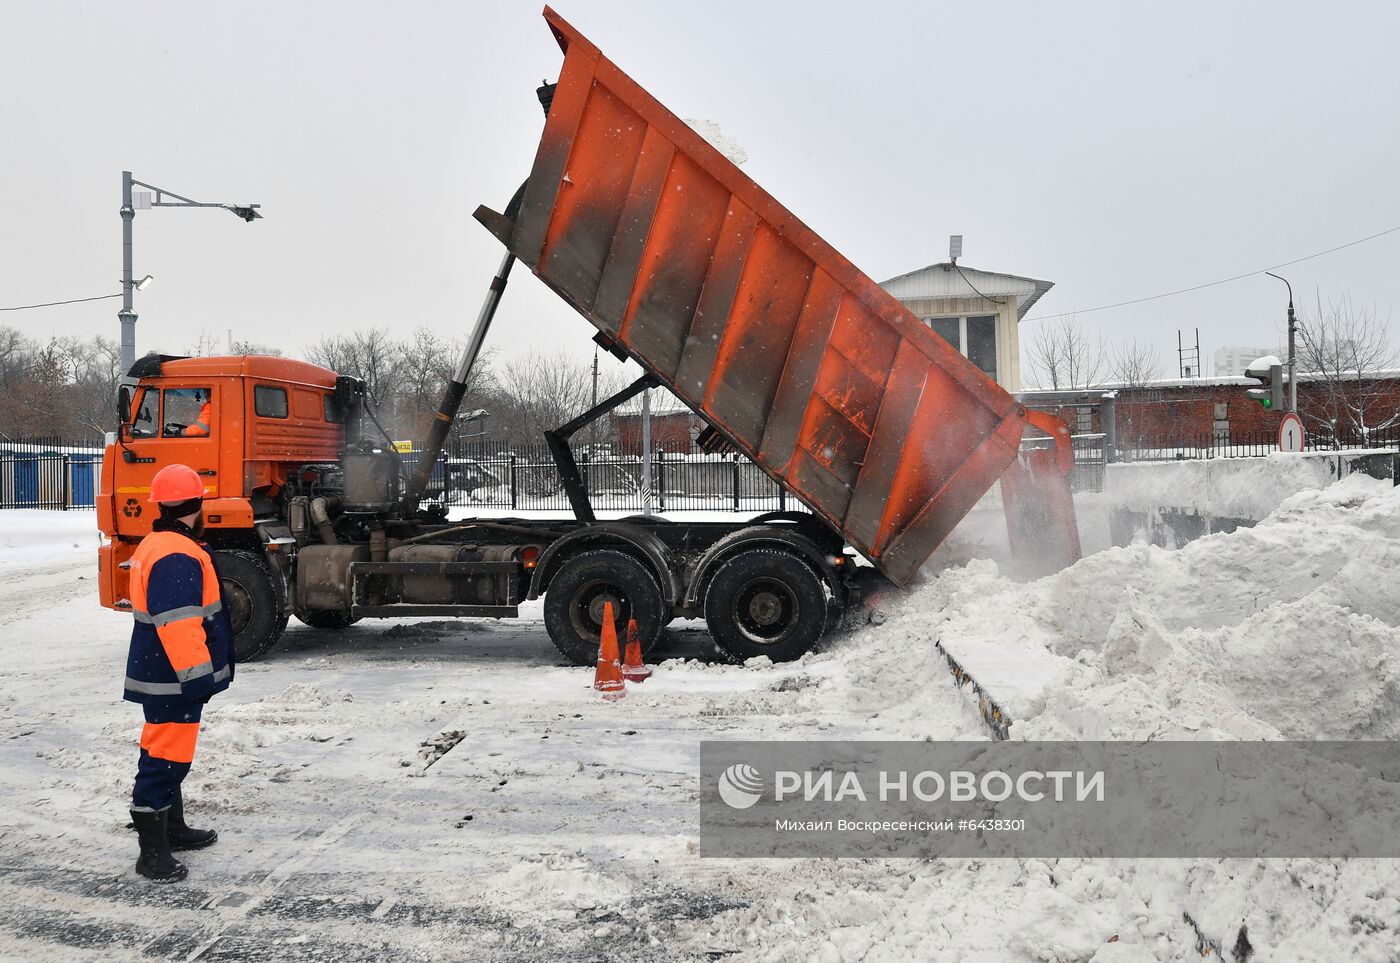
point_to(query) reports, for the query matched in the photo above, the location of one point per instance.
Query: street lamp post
(142, 200)
(1292, 347)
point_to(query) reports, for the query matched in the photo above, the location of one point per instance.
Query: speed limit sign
(1290, 433)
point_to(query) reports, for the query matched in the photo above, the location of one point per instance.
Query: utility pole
(126, 315)
(646, 452)
(1292, 347)
(594, 430)
(143, 199)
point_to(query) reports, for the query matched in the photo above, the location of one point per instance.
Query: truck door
(174, 425)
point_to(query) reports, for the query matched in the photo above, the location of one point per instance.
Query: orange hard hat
(176, 483)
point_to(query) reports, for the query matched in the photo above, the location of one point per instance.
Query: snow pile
(1058, 910)
(1290, 628)
(718, 139)
(1224, 487)
(32, 537)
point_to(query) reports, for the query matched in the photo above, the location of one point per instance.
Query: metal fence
(1253, 444)
(43, 473)
(38, 474)
(526, 479)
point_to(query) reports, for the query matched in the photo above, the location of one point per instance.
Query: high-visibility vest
(182, 642)
(199, 428)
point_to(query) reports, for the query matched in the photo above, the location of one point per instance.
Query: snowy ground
(560, 826)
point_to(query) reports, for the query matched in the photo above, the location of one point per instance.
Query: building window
(949, 329)
(980, 342)
(974, 336)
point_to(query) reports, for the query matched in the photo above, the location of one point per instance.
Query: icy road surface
(539, 823)
(556, 825)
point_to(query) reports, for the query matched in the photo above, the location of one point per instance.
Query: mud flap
(1035, 491)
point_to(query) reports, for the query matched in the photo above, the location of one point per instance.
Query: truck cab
(243, 423)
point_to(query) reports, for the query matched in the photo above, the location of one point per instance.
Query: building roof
(949, 280)
(1380, 374)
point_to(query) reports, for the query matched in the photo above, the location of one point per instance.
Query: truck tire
(333, 619)
(256, 602)
(573, 603)
(766, 602)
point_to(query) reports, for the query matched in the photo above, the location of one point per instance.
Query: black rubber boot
(183, 837)
(155, 862)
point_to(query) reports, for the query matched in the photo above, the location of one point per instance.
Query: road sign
(1290, 433)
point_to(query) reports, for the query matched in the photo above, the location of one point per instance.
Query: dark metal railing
(45, 473)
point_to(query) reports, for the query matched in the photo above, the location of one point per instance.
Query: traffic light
(1268, 371)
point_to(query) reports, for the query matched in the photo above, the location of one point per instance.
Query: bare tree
(15, 349)
(203, 346)
(39, 401)
(404, 377)
(1133, 365)
(1064, 356)
(63, 388)
(240, 347)
(543, 390)
(368, 354)
(96, 369)
(1343, 348)
(427, 363)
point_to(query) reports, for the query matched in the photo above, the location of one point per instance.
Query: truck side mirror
(123, 405)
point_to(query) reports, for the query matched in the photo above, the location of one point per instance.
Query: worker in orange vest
(181, 654)
(199, 428)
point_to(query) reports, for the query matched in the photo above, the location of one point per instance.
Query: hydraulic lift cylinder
(457, 387)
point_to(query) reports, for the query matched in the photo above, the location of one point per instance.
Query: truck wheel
(333, 619)
(766, 602)
(255, 601)
(573, 603)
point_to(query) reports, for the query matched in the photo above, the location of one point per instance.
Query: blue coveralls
(181, 654)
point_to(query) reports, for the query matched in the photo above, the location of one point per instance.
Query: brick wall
(1176, 415)
(672, 432)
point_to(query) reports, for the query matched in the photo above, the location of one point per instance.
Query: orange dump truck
(788, 352)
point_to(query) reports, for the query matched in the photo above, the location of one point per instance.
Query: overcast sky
(1119, 150)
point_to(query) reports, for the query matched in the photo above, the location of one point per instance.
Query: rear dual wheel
(768, 602)
(578, 596)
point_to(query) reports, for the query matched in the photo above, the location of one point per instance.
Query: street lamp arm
(1285, 281)
(181, 201)
(163, 198)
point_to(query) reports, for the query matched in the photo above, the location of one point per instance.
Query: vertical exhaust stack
(456, 388)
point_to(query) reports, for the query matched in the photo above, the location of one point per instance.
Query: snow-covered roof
(1385, 374)
(949, 280)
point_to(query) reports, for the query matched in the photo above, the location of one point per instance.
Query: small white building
(977, 312)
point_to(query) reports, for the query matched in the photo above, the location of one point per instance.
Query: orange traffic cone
(607, 678)
(633, 669)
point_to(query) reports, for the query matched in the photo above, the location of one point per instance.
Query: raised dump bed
(764, 329)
